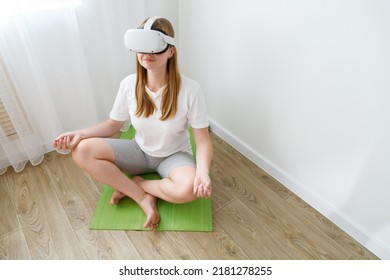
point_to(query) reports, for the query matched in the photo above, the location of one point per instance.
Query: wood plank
(219, 195)
(47, 230)
(357, 251)
(225, 152)
(286, 221)
(14, 247)
(160, 245)
(253, 236)
(106, 245)
(8, 218)
(217, 245)
(75, 188)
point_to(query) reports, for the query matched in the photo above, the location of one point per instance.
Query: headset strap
(149, 22)
(148, 26)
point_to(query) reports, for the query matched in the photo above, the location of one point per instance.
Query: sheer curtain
(61, 62)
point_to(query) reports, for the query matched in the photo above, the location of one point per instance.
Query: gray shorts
(130, 158)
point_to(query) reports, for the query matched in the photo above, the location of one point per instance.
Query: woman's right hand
(67, 141)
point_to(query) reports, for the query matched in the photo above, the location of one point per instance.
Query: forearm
(204, 154)
(106, 128)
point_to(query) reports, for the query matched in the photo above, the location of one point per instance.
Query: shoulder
(127, 86)
(128, 81)
(188, 84)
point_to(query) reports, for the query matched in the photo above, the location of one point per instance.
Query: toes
(154, 226)
(150, 225)
(152, 222)
(116, 197)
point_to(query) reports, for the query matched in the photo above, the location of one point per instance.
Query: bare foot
(116, 197)
(150, 208)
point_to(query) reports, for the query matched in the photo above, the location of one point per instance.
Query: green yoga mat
(127, 215)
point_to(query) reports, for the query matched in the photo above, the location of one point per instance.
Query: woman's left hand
(202, 185)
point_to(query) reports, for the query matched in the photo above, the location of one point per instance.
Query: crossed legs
(97, 158)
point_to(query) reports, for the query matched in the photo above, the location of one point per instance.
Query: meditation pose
(161, 104)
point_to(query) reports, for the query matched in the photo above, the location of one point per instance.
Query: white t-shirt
(162, 138)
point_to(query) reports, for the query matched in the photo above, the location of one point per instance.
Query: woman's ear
(172, 51)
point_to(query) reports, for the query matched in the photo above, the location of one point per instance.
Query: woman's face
(155, 61)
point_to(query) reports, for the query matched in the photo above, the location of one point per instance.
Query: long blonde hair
(145, 105)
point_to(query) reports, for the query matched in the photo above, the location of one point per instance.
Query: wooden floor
(45, 213)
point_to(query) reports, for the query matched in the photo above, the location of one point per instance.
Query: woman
(161, 104)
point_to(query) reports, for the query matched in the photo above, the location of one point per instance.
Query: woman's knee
(187, 194)
(82, 151)
(185, 188)
(91, 149)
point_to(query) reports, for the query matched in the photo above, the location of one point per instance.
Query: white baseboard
(322, 206)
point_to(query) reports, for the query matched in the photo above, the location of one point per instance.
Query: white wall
(303, 89)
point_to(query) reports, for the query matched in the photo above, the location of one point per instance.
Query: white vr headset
(147, 40)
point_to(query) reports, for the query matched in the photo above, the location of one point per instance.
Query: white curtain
(61, 62)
